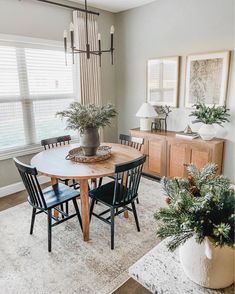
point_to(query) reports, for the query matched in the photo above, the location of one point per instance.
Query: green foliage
(210, 115)
(202, 205)
(80, 117)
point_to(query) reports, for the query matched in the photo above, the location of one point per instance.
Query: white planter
(207, 265)
(207, 132)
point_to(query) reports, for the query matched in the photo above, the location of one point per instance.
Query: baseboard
(17, 187)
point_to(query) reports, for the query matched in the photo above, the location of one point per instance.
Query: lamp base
(145, 124)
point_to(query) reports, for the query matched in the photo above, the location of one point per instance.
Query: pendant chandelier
(74, 50)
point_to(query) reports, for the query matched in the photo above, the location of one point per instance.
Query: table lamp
(146, 112)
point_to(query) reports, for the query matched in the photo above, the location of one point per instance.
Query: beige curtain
(90, 80)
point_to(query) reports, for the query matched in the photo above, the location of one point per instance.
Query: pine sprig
(210, 115)
(80, 117)
(202, 206)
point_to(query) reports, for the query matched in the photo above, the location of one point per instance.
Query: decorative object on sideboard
(207, 78)
(187, 133)
(200, 218)
(146, 112)
(160, 122)
(87, 119)
(163, 81)
(209, 116)
(88, 51)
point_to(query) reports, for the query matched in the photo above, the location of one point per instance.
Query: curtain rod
(68, 6)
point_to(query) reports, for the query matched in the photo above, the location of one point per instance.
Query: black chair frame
(56, 142)
(125, 192)
(37, 200)
(131, 141)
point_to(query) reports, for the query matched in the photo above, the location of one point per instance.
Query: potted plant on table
(87, 119)
(200, 219)
(209, 116)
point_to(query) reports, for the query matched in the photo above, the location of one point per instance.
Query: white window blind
(34, 85)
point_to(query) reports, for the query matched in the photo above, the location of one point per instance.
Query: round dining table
(52, 163)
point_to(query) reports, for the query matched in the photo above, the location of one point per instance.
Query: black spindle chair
(119, 193)
(55, 142)
(134, 142)
(47, 199)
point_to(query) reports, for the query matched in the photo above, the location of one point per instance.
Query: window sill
(27, 150)
(8, 154)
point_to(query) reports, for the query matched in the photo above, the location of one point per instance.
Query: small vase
(90, 141)
(207, 132)
(209, 266)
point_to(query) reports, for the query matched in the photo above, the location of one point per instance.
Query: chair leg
(77, 211)
(32, 220)
(66, 182)
(100, 182)
(67, 207)
(92, 206)
(135, 216)
(112, 227)
(49, 229)
(62, 208)
(137, 201)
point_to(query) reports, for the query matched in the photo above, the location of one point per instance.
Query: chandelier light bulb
(65, 34)
(71, 28)
(112, 30)
(99, 37)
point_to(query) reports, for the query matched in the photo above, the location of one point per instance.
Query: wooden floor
(129, 287)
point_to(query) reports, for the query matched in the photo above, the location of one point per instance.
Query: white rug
(74, 266)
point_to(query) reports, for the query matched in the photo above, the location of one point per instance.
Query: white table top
(160, 272)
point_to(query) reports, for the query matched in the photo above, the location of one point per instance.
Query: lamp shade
(146, 110)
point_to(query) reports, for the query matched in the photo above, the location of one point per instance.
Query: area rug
(74, 266)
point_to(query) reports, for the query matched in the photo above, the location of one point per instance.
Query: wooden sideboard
(167, 154)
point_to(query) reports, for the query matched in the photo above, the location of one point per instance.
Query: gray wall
(162, 28)
(169, 28)
(38, 20)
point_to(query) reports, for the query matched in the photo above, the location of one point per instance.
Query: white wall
(39, 20)
(169, 28)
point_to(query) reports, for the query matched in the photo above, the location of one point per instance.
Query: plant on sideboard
(87, 119)
(209, 116)
(200, 220)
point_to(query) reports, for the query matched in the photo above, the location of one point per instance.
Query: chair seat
(57, 194)
(104, 194)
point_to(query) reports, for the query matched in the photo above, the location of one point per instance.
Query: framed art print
(207, 78)
(163, 81)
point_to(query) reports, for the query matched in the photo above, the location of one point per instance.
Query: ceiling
(114, 5)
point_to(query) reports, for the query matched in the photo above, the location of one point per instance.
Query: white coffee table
(160, 272)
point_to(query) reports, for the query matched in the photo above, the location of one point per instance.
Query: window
(34, 85)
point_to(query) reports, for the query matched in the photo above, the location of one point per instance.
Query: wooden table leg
(53, 182)
(85, 208)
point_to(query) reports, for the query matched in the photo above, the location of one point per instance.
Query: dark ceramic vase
(90, 141)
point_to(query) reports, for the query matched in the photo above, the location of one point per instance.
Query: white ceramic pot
(207, 132)
(207, 265)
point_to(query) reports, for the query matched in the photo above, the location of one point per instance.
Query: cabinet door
(200, 155)
(178, 156)
(157, 156)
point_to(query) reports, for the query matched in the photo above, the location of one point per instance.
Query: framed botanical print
(207, 78)
(163, 81)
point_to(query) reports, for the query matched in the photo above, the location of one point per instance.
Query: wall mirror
(163, 81)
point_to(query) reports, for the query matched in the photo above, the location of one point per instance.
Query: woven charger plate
(76, 154)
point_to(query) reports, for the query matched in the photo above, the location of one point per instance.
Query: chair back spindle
(126, 189)
(134, 142)
(55, 142)
(29, 178)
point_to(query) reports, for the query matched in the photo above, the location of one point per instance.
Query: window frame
(20, 43)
